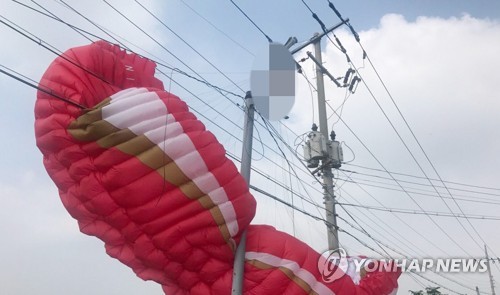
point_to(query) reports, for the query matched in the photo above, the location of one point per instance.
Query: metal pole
(477, 290)
(246, 165)
(329, 197)
(489, 271)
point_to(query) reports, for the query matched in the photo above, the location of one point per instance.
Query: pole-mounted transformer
(317, 148)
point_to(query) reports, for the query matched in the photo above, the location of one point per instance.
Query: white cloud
(443, 75)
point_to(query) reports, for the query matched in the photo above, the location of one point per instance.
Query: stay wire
(312, 96)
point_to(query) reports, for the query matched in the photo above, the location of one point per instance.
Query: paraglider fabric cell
(139, 171)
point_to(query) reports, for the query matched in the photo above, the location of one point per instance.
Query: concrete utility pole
(326, 171)
(246, 165)
(329, 197)
(489, 271)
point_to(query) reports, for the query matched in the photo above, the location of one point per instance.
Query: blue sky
(438, 59)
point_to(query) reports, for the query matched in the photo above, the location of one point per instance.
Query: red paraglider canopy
(140, 172)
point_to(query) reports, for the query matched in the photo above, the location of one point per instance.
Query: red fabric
(144, 221)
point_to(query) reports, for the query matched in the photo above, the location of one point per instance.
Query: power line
(416, 212)
(45, 90)
(420, 177)
(351, 235)
(404, 190)
(161, 73)
(293, 207)
(413, 135)
(388, 229)
(83, 35)
(255, 25)
(340, 47)
(189, 45)
(287, 204)
(396, 251)
(47, 46)
(215, 27)
(401, 220)
(404, 222)
(478, 201)
(381, 244)
(384, 167)
(157, 42)
(352, 217)
(202, 80)
(420, 184)
(280, 184)
(93, 23)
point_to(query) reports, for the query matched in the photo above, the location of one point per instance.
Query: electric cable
(412, 133)
(42, 89)
(189, 45)
(215, 27)
(254, 24)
